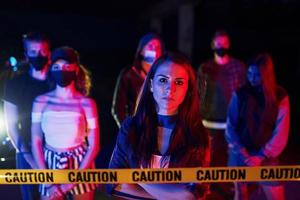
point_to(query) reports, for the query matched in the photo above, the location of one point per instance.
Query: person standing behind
(131, 79)
(19, 94)
(218, 78)
(258, 124)
(65, 129)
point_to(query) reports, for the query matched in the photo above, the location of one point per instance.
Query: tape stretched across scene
(171, 175)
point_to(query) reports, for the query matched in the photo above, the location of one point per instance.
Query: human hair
(189, 131)
(83, 81)
(265, 66)
(35, 37)
(220, 33)
(142, 43)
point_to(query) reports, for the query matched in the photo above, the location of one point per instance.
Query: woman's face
(63, 65)
(63, 72)
(169, 86)
(253, 75)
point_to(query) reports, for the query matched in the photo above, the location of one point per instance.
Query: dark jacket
(126, 92)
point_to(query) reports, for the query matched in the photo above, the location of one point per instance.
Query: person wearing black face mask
(38, 62)
(63, 78)
(19, 94)
(218, 78)
(67, 120)
(221, 52)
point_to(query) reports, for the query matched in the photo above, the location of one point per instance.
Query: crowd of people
(228, 113)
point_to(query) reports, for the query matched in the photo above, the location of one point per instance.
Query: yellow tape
(174, 175)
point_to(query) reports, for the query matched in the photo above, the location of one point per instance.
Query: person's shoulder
(128, 72)
(207, 62)
(86, 101)
(281, 92)
(16, 85)
(206, 65)
(44, 97)
(236, 61)
(18, 78)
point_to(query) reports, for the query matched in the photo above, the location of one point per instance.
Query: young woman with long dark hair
(258, 124)
(166, 130)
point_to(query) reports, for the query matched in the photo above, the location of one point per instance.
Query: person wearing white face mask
(131, 79)
(67, 121)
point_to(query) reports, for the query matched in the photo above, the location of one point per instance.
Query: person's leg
(274, 192)
(218, 148)
(219, 158)
(240, 191)
(29, 192)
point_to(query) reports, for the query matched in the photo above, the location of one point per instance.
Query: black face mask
(221, 52)
(63, 78)
(38, 62)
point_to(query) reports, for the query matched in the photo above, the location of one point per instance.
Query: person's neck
(221, 60)
(39, 75)
(167, 121)
(167, 112)
(65, 92)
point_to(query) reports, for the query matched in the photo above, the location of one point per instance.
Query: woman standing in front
(166, 131)
(67, 120)
(258, 125)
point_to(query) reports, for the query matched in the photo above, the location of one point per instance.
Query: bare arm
(93, 134)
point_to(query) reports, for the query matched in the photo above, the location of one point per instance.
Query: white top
(157, 161)
(63, 129)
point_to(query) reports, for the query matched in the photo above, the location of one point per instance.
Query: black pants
(219, 158)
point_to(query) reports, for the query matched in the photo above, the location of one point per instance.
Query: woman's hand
(55, 191)
(66, 187)
(254, 161)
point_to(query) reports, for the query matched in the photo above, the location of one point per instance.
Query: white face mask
(149, 56)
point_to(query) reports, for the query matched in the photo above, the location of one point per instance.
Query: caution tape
(171, 175)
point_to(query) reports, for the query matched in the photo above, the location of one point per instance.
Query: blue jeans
(29, 192)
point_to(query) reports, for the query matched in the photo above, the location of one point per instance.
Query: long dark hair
(142, 43)
(189, 131)
(265, 65)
